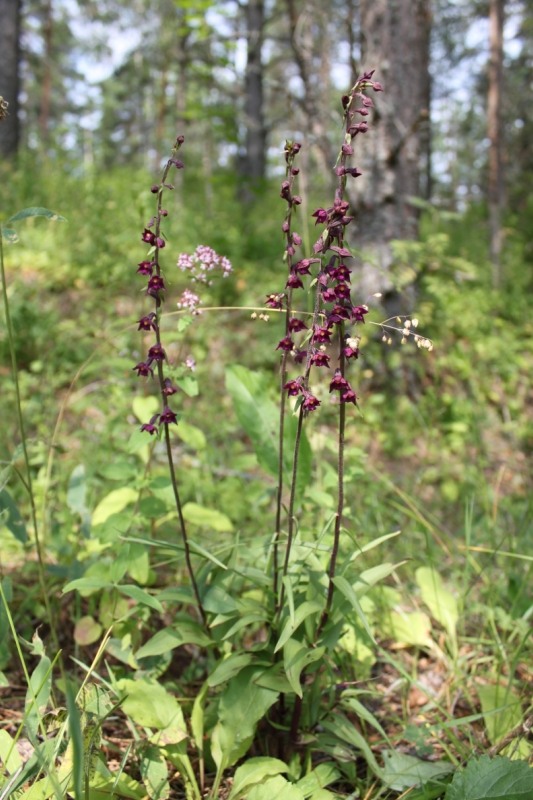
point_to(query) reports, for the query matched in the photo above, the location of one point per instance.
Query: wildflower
(310, 402)
(358, 313)
(156, 353)
(338, 382)
(144, 369)
(293, 387)
(148, 236)
(296, 325)
(294, 282)
(321, 216)
(274, 300)
(150, 427)
(349, 396)
(320, 359)
(148, 322)
(169, 388)
(146, 267)
(285, 344)
(156, 284)
(190, 363)
(167, 416)
(321, 335)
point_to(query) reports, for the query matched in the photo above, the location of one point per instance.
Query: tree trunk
(9, 75)
(494, 119)
(253, 163)
(46, 87)
(393, 154)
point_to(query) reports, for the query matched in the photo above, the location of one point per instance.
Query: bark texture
(9, 75)
(494, 120)
(393, 155)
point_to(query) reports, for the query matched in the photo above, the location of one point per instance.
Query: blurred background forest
(97, 92)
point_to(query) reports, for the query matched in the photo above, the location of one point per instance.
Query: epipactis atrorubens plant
(200, 267)
(333, 320)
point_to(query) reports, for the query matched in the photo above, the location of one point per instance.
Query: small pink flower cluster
(202, 262)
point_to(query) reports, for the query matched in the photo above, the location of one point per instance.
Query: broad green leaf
(182, 632)
(149, 704)
(369, 577)
(228, 668)
(346, 589)
(9, 755)
(36, 211)
(207, 518)
(303, 611)
(502, 711)
(492, 779)
(254, 771)
(191, 435)
(145, 406)
(112, 785)
(342, 728)
(321, 776)
(439, 600)
(296, 657)
(154, 772)
(273, 678)
(11, 517)
(407, 628)
(401, 771)
(87, 630)
(259, 417)
(188, 384)
(372, 544)
(38, 694)
(77, 490)
(115, 501)
(277, 788)
(86, 586)
(141, 596)
(242, 704)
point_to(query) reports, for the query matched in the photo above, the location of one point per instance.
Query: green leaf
(346, 589)
(259, 417)
(140, 596)
(38, 694)
(9, 755)
(207, 518)
(11, 517)
(228, 668)
(254, 771)
(321, 776)
(408, 628)
(36, 211)
(149, 704)
(241, 706)
(154, 772)
(86, 586)
(77, 490)
(145, 406)
(502, 711)
(303, 611)
(277, 788)
(87, 630)
(402, 771)
(492, 779)
(439, 600)
(342, 728)
(113, 503)
(9, 235)
(182, 632)
(297, 656)
(191, 435)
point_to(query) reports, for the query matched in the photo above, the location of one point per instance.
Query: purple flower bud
(160, 242)
(349, 396)
(285, 227)
(350, 352)
(321, 335)
(329, 296)
(342, 291)
(321, 216)
(294, 282)
(296, 239)
(148, 236)
(377, 87)
(169, 388)
(297, 200)
(155, 188)
(149, 427)
(274, 300)
(299, 356)
(156, 284)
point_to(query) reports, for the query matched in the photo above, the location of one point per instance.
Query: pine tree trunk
(253, 164)
(393, 155)
(9, 75)
(494, 119)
